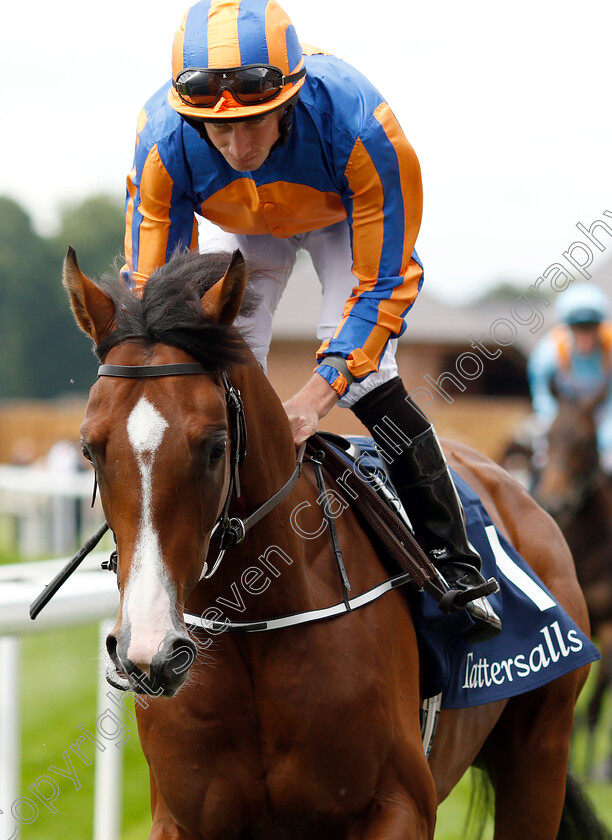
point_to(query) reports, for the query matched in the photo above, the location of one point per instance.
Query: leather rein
(232, 531)
(229, 530)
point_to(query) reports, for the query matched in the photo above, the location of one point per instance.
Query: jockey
(575, 360)
(283, 147)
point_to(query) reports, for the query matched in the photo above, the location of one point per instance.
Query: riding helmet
(231, 35)
(582, 304)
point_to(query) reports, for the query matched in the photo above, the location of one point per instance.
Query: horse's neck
(271, 453)
(274, 554)
(591, 478)
(598, 499)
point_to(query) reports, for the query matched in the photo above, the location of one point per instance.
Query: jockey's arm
(159, 213)
(541, 370)
(384, 200)
(383, 189)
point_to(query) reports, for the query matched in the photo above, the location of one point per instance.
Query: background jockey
(283, 147)
(575, 360)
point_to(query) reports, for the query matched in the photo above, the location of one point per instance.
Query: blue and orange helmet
(235, 59)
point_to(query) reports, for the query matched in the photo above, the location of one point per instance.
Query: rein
(231, 531)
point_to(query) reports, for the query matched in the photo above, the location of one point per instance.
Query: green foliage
(42, 353)
(505, 291)
(24, 283)
(94, 228)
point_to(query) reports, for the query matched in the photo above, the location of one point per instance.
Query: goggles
(584, 317)
(249, 85)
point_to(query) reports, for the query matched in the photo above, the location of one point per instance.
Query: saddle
(355, 465)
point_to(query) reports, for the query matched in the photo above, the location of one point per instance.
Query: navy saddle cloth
(539, 642)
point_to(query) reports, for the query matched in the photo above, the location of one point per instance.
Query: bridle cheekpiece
(229, 530)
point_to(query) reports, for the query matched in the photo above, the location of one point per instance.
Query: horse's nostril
(111, 646)
(171, 664)
(181, 653)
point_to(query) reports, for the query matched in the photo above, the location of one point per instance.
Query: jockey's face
(586, 338)
(245, 145)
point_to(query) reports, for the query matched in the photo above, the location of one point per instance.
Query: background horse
(573, 488)
(312, 731)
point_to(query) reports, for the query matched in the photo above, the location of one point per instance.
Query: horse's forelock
(170, 312)
(188, 269)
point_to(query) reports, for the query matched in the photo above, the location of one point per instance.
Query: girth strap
(316, 461)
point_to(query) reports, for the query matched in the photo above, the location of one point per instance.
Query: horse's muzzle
(162, 677)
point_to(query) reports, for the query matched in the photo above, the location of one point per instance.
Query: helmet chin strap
(284, 125)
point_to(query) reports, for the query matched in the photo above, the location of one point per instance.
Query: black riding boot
(420, 475)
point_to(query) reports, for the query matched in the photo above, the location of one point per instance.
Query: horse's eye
(85, 452)
(217, 451)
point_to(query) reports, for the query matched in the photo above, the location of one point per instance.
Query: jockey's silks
(346, 158)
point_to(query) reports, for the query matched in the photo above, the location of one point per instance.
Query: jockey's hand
(308, 406)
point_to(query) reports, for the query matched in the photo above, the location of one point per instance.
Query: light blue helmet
(582, 304)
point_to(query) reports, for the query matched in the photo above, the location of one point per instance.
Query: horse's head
(572, 466)
(160, 446)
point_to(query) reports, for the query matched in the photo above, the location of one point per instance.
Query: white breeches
(270, 262)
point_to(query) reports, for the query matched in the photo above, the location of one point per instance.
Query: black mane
(170, 312)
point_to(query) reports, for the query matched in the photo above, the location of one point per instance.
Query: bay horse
(306, 732)
(573, 488)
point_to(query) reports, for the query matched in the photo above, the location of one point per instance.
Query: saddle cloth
(539, 641)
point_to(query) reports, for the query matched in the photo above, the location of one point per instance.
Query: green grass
(58, 692)
(452, 814)
(453, 811)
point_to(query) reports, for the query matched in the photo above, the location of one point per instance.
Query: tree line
(42, 353)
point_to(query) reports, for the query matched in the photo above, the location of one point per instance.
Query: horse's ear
(93, 310)
(222, 301)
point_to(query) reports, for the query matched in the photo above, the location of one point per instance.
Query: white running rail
(89, 595)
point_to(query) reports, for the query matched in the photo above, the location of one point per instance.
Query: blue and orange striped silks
(346, 158)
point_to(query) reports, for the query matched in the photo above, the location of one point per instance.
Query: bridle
(228, 530)
(232, 530)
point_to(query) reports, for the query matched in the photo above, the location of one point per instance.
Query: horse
(311, 731)
(572, 487)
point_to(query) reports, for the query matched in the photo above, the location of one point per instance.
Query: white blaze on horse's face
(149, 595)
